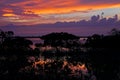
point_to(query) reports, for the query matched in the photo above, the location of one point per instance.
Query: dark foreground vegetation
(61, 57)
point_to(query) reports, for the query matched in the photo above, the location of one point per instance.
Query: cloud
(11, 1)
(84, 11)
(23, 10)
(57, 6)
(99, 2)
(96, 25)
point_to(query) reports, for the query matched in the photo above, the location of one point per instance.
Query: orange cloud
(33, 10)
(7, 10)
(8, 15)
(61, 6)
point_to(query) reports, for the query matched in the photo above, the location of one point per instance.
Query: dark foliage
(101, 55)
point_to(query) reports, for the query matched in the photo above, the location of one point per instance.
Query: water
(36, 40)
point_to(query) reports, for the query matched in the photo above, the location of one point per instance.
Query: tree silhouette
(5, 34)
(104, 55)
(114, 31)
(2, 35)
(58, 39)
(94, 41)
(9, 33)
(15, 50)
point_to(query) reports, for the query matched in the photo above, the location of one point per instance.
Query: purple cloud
(94, 25)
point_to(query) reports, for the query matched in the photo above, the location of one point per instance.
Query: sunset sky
(29, 12)
(32, 12)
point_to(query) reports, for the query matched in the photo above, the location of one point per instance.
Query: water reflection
(61, 66)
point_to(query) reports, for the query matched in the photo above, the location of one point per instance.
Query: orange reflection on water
(75, 69)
